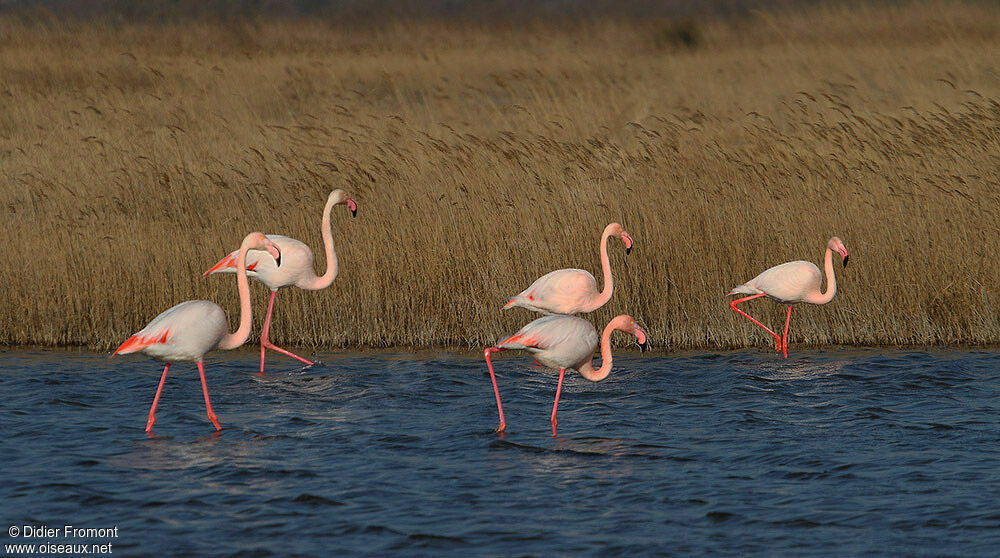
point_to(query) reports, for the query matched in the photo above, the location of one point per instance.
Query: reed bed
(134, 156)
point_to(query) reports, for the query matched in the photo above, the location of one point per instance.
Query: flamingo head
(339, 196)
(618, 231)
(627, 324)
(640, 336)
(259, 241)
(837, 246)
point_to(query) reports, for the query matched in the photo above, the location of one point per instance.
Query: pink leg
(496, 391)
(555, 404)
(265, 343)
(263, 333)
(777, 338)
(156, 399)
(784, 338)
(208, 402)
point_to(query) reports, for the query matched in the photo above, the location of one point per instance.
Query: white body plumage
(182, 333)
(564, 291)
(557, 341)
(788, 283)
(296, 263)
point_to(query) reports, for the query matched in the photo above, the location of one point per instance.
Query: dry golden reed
(133, 157)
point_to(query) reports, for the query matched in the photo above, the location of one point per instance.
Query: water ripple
(844, 452)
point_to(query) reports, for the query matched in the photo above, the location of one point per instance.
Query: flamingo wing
(549, 332)
(558, 341)
(139, 341)
(564, 291)
(296, 259)
(228, 263)
(789, 282)
(157, 332)
(183, 332)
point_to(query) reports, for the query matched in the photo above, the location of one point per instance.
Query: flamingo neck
(609, 284)
(239, 337)
(587, 370)
(831, 281)
(323, 281)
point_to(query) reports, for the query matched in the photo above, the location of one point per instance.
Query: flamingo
(791, 283)
(187, 331)
(561, 342)
(297, 269)
(572, 291)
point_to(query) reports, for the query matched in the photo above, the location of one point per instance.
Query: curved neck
(323, 281)
(587, 369)
(831, 281)
(239, 337)
(609, 283)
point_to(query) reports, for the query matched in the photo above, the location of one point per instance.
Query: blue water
(833, 452)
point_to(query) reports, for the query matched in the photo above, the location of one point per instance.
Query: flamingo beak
(640, 336)
(628, 243)
(845, 260)
(353, 206)
(275, 253)
(843, 254)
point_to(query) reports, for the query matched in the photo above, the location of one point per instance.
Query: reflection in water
(163, 453)
(801, 369)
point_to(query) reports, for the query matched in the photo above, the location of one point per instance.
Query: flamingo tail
(743, 289)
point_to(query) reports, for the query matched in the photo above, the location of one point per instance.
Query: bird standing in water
(564, 342)
(187, 331)
(296, 268)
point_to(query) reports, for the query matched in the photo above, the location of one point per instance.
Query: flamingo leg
(555, 404)
(732, 304)
(267, 326)
(784, 338)
(156, 399)
(489, 364)
(265, 343)
(208, 402)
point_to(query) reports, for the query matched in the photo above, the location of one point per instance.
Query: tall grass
(133, 157)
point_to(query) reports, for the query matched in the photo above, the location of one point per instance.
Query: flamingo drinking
(296, 268)
(572, 291)
(790, 283)
(562, 342)
(187, 331)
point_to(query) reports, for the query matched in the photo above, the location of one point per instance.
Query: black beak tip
(643, 347)
(354, 213)
(277, 261)
(845, 260)
(628, 250)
